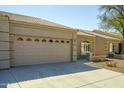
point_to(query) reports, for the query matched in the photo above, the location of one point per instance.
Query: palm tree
(112, 18)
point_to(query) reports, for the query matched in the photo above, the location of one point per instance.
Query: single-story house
(26, 40)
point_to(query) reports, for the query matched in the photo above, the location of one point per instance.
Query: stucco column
(74, 47)
(4, 42)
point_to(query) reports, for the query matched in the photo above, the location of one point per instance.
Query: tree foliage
(112, 17)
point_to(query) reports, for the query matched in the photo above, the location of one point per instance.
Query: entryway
(85, 49)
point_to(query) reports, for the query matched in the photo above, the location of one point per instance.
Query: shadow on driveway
(25, 73)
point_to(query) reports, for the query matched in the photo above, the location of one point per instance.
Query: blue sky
(76, 16)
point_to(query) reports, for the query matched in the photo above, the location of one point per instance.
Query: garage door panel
(31, 52)
(18, 61)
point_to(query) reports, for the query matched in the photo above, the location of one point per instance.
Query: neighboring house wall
(4, 42)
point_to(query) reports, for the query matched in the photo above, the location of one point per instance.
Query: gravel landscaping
(118, 68)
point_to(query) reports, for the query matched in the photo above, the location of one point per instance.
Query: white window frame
(85, 47)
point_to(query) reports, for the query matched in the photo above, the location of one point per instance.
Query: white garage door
(30, 50)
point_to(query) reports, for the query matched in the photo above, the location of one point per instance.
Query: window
(44, 40)
(113, 48)
(85, 47)
(20, 39)
(29, 39)
(51, 41)
(36, 40)
(67, 41)
(57, 41)
(62, 41)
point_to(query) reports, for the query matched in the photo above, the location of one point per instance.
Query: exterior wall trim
(4, 59)
(5, 25)
(3, 32)
(5, 41)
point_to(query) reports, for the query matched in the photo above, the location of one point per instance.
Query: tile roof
(100, 35)
(84, 34)
(104, 36)
(29, 19)
(112, 34)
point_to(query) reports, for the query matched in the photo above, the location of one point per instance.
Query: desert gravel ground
(119, 68)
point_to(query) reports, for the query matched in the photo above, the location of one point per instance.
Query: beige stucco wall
(4, 46)
(4, 43)
(102, 45)
(85, 38)
(40, 32)
(4, 24)
(108, 41)
(36, 30)
(74, 46)
(4, 36)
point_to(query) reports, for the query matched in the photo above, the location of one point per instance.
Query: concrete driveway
(64, 75)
